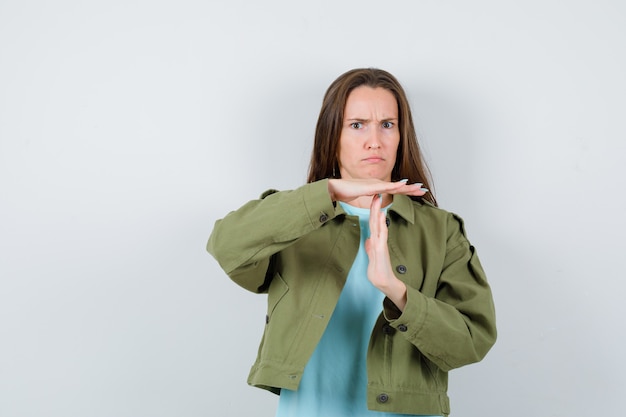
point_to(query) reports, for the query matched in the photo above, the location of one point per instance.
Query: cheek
(393, 148)
(394, 140)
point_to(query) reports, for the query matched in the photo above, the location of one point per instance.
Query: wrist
(396, 292)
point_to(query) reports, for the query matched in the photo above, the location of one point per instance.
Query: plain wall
(128, 127)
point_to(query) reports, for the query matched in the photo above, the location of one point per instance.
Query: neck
(366, 201)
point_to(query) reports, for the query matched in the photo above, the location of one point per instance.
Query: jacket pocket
(277, 290)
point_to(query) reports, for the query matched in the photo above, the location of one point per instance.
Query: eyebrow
(357, 119)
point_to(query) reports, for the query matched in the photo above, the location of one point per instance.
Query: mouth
(373, 159)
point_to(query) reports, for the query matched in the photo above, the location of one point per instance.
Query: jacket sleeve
(244, 241)
(456, 327)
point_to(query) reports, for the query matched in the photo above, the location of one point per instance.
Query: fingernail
(424, 189)
(404, 180)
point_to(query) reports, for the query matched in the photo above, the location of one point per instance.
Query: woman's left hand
(379, 270)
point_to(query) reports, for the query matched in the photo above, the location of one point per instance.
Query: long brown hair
(409, 161)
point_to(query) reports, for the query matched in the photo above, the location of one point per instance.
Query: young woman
(374, 293)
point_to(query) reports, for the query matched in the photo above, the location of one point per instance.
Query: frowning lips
(373, 159)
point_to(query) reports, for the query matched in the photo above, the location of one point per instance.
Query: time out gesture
(375, 194)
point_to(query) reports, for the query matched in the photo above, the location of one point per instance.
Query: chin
(379, 176)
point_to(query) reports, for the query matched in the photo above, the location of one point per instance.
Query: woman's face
(370, 134)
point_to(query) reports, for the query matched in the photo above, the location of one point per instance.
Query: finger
(378, 187)
(382, 227)
(416, 189)
(390, 187)
(374, 212)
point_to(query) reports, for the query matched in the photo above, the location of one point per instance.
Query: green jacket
(297, 246)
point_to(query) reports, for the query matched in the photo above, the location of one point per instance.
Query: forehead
(365, 99)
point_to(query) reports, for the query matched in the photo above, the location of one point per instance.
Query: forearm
(457, 326)
(395, 291)
(263, 227)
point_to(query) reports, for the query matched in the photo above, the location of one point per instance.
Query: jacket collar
(403, 206)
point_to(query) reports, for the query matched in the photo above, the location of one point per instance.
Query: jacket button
(402, 328)
(387, 329)
(382, 398)
(323, 217)
(401, 269)
(267, 318)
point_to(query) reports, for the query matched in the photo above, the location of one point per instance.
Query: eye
(387, 125)
(356, 125)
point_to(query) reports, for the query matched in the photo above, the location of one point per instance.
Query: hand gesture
(379, 270)
(347, 190)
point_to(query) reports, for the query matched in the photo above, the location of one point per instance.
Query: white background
(128, 127)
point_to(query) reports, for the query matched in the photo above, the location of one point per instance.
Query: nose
(373, 139)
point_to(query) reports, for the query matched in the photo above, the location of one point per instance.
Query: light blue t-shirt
(334, 382)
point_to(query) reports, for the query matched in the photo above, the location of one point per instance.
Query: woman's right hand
(347, 190)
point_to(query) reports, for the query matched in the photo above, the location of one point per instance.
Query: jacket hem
(407, 401)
